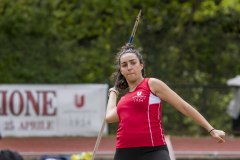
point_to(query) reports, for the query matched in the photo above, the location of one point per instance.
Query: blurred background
(192, 45)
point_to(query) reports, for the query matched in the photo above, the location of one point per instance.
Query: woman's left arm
(167, 94)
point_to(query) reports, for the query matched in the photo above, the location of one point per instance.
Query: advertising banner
(52, 110)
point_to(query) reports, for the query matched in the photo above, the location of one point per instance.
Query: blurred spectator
(234, 111)
(10, 155)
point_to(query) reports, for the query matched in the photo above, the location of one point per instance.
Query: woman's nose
(129, 67)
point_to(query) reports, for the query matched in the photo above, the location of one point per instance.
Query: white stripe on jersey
(149, 125)
(154, 100)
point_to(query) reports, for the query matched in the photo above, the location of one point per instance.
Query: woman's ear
(142, 65)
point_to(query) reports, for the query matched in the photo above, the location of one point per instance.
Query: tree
(185, 43)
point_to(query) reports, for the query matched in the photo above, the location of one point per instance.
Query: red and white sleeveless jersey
(140, 118)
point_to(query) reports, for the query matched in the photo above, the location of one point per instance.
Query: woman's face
(130, 67)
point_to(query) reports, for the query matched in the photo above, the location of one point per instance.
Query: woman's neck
(133, 85)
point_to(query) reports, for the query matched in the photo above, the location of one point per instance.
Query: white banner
(52, 110)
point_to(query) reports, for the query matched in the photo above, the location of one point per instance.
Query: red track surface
(182, 146)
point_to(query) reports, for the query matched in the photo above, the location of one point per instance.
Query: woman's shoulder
(155, 82)
(157, 86)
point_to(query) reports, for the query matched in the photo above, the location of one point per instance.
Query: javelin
(104, 121)
(135, 27)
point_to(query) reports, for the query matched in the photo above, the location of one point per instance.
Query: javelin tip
(135, 26)
(139, 14)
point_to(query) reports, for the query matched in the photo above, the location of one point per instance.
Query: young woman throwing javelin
(140, 134)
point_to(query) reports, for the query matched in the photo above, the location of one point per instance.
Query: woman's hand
(219, 135)
(111, 114)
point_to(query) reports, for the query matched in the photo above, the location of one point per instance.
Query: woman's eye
(124, 65)
(133, 63)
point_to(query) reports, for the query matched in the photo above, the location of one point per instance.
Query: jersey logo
(138, 97)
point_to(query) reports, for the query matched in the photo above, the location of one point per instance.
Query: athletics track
(183, 147)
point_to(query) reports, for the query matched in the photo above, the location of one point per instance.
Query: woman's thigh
(142, 153)
(127, 154)
(156, 155)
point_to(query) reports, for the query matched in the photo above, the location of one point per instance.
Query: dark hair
(10, 155)
(120, 81)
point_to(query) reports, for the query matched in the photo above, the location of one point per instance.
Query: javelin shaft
(98, 139)
(135, 27)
